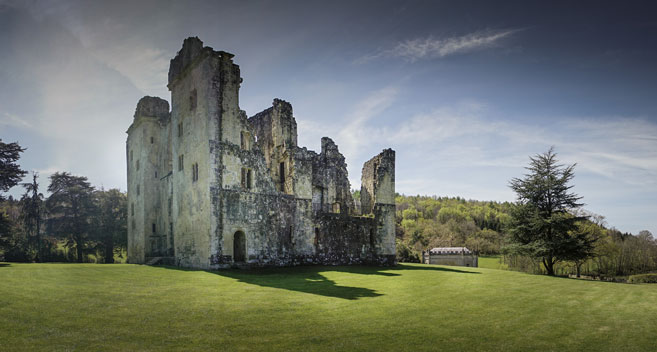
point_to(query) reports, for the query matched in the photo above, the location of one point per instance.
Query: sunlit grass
(492, 262)
(411, 307)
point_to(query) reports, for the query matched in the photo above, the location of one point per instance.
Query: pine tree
(543, 224)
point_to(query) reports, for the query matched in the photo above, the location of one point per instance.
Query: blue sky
(464, 91)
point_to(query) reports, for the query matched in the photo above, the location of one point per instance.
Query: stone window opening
(239, 247)
(138, 190)
(152, 140)
(247, 178)
(372, 240)
(153, 229)
(316, 240)
(195, 172)
(181, 162)
(245, 139)
(132, 209)
(281, 175)
(192, 100)
(336, 207)
(180, 129)
(155, 174)
(137, 166)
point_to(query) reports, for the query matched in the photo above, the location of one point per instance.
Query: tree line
(74, 222)
(544, 231)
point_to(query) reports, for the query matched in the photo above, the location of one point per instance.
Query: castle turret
(144, 148)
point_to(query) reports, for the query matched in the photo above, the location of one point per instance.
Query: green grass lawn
(492, 262)
(121, 307)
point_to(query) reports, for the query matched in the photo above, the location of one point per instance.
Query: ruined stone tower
(210, 188)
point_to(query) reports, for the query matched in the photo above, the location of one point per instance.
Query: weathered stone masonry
(210, 188)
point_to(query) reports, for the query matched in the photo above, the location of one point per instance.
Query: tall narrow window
(372, 239)
(245, 139)
(249, 177)
(195, 172)
(152, 140)
(181, 162)
(137, 189)
(180, 129)
(155, 174)
(153, 229)
(243, 178)
(137, 164)
(192, 100)
(281, 174)
(132, 209)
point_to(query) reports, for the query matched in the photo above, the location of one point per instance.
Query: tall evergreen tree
(71, 208)
(10, 175)
(543, 224)
(32, 209)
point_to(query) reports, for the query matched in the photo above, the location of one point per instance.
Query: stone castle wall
(214, 188)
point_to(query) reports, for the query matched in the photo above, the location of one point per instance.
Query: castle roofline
(189, 55)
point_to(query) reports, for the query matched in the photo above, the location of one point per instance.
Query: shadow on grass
(309, 279)
(4, 264)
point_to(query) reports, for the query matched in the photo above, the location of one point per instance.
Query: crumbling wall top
(192, 48)
(152, 107)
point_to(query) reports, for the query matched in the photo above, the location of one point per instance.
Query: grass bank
(409, 308)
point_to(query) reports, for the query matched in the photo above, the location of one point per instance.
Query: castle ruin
(209, 187)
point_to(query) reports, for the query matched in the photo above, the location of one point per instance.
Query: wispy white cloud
(11, 120)
(430, 48)
(465, 139)
(357, 131)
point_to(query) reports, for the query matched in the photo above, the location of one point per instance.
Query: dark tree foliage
(10, 175)
(32, 210)
(71, 208)
(542, 222)
(111, 222)
(10, 171)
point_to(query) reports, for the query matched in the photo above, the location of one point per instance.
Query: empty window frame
(180, 129)
(245, 139)
(281, 175)
(192, 100)
(247, 178)
(194, 172)
(181, 162)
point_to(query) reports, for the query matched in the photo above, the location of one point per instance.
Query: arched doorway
(239, 247)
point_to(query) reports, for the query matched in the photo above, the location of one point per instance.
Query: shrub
(642, 279)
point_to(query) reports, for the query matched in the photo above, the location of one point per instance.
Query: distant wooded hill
(425, 222)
